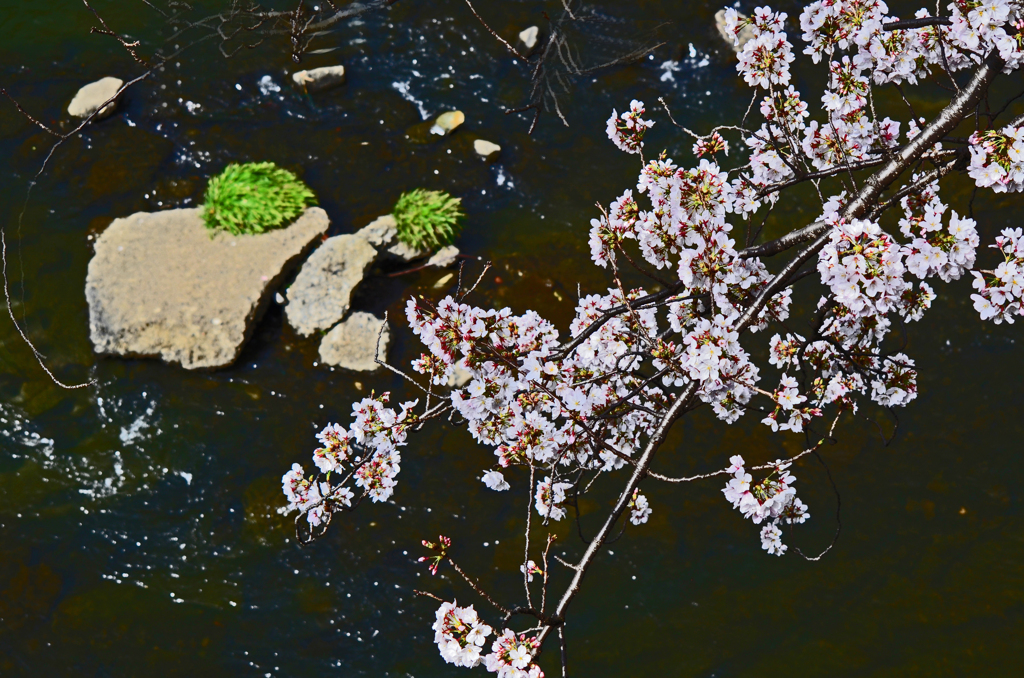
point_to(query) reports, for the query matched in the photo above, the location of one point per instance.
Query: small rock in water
(447, 122)
(444, 281)
(319, 79)
(444, 257)
(528, 37)
(279, 298)
(746, 33)
(94, 95)
(352, 345)
(486, 150)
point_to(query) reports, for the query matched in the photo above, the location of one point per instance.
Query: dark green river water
(138, 525)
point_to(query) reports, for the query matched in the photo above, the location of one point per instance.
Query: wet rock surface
(160, 286)
(353, 344)
(320, 79)
(94, 97)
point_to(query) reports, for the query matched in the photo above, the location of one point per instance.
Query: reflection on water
(139, 517)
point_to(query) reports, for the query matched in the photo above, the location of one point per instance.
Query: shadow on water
(138, 517)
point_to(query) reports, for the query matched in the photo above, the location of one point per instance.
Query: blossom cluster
(997, 159)
(627, 131)
(772, 501)
(461, 635)
(584, 405)
(639, 508)
(906, 54)
(366, 453)
(999, 292)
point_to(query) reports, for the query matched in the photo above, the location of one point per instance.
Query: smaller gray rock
(95, 97)
(746, 33)
(444, 257)
(322, 292)
(528, 38)
(320, 79)
(353, 344)
(486, 149)
(404, 252)
(381, 233)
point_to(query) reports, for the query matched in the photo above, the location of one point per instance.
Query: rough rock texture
(746, 33)
(382, 233)
(159, 285)
(319, 79)
(486, 149)
(94, 95)
(399, 250)
(353, 343)
(321, 293)
(528, 38)
(444, 257)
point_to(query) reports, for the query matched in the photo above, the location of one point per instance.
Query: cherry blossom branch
(654, 443)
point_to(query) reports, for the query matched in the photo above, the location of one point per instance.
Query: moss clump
(254, 197)
(428, 220)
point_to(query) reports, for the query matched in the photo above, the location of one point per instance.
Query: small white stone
(94, 95)
(319, 79)
(486, 149)
(528, 36)
(444, 281)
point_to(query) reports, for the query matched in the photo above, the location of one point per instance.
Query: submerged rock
(322, 292)
(160, 286)
(320, 79)
(746, 33)
(486, 149)
(353, 344)
(528, 39)
(94, 96)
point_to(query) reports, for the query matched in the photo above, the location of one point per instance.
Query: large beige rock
(160, 286)
(322, 292)
(353, 344)
(94, 96)
(319, 79)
